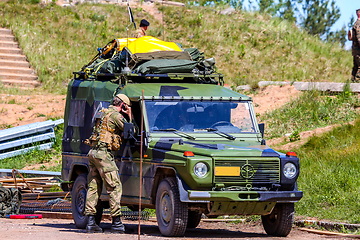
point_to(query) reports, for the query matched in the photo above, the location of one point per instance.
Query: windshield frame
(209, 133)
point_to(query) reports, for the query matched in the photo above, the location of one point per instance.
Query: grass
(58, 41)
(311, 110)
(330, 176)
(248, 46)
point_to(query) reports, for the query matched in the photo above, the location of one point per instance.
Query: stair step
(7, 63)
(8, 44)
(16, 70)
(10, 50)
(13, 57)
(7, 76)
(7, 38)
(5, 31)
(21, 83)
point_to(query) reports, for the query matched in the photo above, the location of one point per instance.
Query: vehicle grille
(265, 170)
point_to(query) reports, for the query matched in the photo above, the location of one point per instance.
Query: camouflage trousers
(103, 170)
(355, 74)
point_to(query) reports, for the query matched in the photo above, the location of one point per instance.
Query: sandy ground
(16, 110)
(59, 229)
(272, 97)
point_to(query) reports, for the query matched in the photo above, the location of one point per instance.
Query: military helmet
(124, 98)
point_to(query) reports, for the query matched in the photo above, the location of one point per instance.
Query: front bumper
(246, 196)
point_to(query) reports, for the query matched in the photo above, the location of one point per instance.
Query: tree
(237, 4)
(265, 5)
(318, 16)
(286, 9)
(338, 36)
(351, 22)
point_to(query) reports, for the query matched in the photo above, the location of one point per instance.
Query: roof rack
(124, 78)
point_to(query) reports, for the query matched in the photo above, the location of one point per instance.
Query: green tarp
(159, 66)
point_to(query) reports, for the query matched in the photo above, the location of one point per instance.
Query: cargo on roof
(146, 44)
(148, 59)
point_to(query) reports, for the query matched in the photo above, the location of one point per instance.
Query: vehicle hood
(216, 149)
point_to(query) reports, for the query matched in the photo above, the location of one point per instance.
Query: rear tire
(279, 222)
(171, 213)
(78, 200)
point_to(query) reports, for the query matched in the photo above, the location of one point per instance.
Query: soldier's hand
(127, 110)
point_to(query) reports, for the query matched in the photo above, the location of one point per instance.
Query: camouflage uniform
(355, 75)
(103, 168)
(140, 32)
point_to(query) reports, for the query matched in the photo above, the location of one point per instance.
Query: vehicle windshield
(200, 116)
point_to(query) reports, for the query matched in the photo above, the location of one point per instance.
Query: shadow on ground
(153, 230)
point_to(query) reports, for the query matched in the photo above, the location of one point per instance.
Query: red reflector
(291, 154)
(188, 154)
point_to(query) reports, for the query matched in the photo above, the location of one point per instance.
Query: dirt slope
(272, 97)
(17, 110)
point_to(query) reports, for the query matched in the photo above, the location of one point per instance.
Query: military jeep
(203, 151)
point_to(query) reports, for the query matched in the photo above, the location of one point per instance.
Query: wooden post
(141, 154)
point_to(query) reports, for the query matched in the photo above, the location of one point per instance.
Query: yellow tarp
(147, 44)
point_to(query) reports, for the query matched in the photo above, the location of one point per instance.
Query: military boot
(92, 227)
(117, 226)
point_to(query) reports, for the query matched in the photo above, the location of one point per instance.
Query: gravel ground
(59, 229)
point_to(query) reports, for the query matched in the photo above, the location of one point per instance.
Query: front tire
(171, 213)
(78, 200)
(279, 222)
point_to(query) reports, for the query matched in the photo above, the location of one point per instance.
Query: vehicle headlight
(200, 169)
(289, 170)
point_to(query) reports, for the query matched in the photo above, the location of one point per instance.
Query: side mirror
(262, 129)
(128, 131)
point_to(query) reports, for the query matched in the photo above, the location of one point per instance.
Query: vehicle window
(98, 105)
(192, 116)
(77, 113)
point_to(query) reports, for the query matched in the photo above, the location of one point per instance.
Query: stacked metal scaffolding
(19, 140)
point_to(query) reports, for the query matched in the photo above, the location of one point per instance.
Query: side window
(98, 105)
(77, 113)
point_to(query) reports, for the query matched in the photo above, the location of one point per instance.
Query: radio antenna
(126, 69)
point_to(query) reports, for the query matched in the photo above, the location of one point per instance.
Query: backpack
(10, 201)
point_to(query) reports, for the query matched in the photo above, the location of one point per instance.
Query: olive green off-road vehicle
(203, 151)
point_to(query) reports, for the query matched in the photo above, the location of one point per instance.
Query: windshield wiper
(176, 132)
(223, 134)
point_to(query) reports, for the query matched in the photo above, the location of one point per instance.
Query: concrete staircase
(15, 70)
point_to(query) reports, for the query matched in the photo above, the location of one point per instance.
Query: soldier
(140, 32)
(355, 75)
(102, 167)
